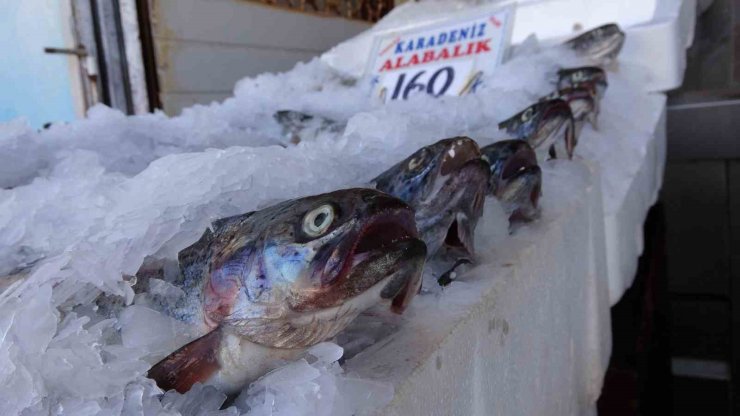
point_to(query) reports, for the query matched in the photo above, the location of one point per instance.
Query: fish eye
(318, 220)
(527, 114)
(417, 160)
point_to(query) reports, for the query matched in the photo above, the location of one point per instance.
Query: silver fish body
(543, 125)
(601, 44)
(290, 276)
(516, 178)
(445, 183)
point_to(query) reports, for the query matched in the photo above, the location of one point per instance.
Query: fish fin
(192, 363)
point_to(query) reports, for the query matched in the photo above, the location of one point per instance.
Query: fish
(542, 125)
(590, 77)
(516, 178)
(298, 126)
(601, 44)
(583, 104)
(264, 286)
(445, 183)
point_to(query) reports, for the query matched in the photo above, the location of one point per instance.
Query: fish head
(296, 273)
(554, 117)
(506, 158)
(582, 100)
(540, 122)
(445, 183)
(520, 192)
(590, 77)
(525, 123)
(601, 44)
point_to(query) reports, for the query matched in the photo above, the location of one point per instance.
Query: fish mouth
(461, 151)
(388, 251)
(612, 45)
(546, 134)
(521, 193)
(383, 230)
(555, 115)
(522, 159)
(555, 108)
(457, 237)
(528, 178)
(460, 233)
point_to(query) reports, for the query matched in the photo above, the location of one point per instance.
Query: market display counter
(525, 331)
(530, 330)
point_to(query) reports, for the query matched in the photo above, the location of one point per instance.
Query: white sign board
(444, 58)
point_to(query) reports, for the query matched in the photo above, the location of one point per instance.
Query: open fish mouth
(472, 184)
(608, 47)
(389, 250)
(519, 161)
(520, 194)
(459, 237)
(547, 132)
(383, 231)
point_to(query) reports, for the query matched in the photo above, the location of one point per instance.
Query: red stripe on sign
(387, 48)
(495, 21)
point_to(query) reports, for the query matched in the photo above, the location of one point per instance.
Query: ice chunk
(199, 401)
(151, 331)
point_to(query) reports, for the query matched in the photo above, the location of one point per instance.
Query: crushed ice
(83, 204)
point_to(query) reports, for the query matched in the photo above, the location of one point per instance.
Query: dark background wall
(702, 207)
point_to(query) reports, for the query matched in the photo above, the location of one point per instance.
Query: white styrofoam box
(557, 19)
(663, 42)
(658, 31)
(527, 333)
(624, 223)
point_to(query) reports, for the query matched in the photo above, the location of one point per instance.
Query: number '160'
(447, 73)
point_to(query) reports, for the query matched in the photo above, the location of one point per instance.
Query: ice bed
(527, 331)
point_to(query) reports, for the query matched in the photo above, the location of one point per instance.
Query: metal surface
(67, 51)
(37, 86)
(111, 55)
(148, 55)
(368, 10)
(200, 60)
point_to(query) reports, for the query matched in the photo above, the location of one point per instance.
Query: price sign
(446, 58)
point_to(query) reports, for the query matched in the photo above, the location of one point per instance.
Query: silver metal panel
(112, 55)
(203, 47)
(194, 66)
(246, 23)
